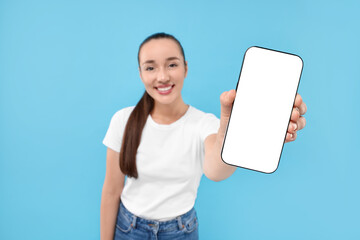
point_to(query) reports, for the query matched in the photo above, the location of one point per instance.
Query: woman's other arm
(110, 198)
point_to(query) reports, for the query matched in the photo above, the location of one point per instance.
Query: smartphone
(261, 111)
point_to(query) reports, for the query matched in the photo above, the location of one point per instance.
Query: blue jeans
(131, 227)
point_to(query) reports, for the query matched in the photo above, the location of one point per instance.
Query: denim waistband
(178, 222)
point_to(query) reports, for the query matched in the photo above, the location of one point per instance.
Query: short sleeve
(209, 124)
(114, 134)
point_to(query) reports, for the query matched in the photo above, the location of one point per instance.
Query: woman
(164, 146)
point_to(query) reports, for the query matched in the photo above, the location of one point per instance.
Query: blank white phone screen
(262, 109)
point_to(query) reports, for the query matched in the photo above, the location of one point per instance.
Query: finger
(230, 96)
(301, 122)
(295, 114)
(223, 99)
(298, 100)
(290, 137)
(293, 126)
(227, 98)
(302, 108)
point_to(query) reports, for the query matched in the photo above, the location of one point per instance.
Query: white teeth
(164, 89)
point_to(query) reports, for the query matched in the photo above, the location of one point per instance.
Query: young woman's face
(162, 70)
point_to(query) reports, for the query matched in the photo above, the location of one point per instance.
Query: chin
(161, 101)
(166, 100)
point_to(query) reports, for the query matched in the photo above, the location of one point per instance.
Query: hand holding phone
(267, 86)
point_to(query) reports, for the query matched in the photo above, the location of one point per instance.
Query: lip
(164, 86)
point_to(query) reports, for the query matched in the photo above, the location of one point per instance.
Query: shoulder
(122, 115)
(202, 116)
(123, 112)
(204, 123)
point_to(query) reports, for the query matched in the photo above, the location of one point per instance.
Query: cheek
(149, 88)
(181, 82)
(146, 81)
(180, 76)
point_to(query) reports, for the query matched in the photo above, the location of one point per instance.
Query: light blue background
(67, 66)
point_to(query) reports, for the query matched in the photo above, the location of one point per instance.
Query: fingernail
(295, 126)
(291, 135)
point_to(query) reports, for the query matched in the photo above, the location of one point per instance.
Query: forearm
(217, 170)
(108, 213)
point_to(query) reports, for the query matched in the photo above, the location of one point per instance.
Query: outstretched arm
(214, 168)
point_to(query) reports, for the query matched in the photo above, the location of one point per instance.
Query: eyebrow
(168, 59)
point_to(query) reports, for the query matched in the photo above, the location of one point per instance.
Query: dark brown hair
(136, 122)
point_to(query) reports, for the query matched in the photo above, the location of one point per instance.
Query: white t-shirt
(169, 162)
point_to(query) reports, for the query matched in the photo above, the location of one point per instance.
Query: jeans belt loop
(181, 226)
(133, 224)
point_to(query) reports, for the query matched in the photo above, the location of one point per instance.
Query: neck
(168, 113)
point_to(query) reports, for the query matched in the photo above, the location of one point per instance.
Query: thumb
(226, 100)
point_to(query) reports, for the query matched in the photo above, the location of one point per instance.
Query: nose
(163, 75)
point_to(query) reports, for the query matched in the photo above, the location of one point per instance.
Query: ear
(186, 68)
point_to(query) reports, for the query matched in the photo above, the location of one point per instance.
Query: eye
(173, 65)
(149, 68)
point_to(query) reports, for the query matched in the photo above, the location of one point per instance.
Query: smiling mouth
(165, 89)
